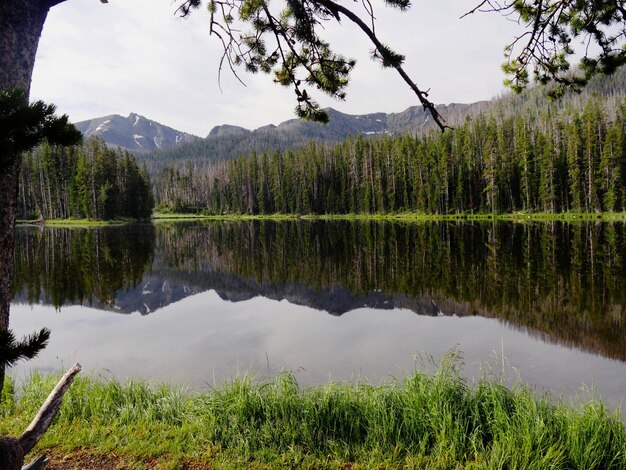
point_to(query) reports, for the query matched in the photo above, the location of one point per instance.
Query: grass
(399, 216)
(79, 222)
(403, 216)
(422, 421)
(172, 217)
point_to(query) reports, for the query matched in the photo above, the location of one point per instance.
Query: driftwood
(39, 462)
(12, 450)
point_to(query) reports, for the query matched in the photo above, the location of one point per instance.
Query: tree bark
(48, 411)
(11, 453)
(21, 23)
(12, 450)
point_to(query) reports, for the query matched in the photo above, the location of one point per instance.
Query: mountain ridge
(230, 141)
(159, 145)
(135, 133)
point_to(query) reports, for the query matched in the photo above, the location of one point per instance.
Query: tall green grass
(421, 421)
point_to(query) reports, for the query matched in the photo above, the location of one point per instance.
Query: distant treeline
(573, 161)
(86, 181)
(230, 142)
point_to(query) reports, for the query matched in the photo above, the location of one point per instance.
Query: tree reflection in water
(562, 281)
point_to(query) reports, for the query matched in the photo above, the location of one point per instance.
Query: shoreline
(406, 217)
(392, 217)
(69, 223)
(403, 216)
(422, 420)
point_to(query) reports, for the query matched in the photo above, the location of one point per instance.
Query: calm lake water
(193, 303)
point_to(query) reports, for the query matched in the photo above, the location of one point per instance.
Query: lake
(196, 303)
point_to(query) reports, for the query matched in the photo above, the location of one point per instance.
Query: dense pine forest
(87, 181)
(522, 153)
(553, 160)
(227, 142)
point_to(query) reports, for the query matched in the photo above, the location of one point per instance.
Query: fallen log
(12, 450)
(39, 462)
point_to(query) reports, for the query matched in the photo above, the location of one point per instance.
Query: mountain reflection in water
(564, 282)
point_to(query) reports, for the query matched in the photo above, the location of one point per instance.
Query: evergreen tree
(87, 181)
(22, 127)
(490, 164)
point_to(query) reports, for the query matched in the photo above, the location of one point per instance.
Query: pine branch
(389, 58)
(12, 351)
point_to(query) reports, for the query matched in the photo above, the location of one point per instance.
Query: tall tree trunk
(8, 208)
(21, 23)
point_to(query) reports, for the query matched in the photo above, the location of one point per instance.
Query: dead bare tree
(13, 450)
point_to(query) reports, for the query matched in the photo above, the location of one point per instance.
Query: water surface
(192, 303)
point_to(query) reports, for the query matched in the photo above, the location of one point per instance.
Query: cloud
(138, 56)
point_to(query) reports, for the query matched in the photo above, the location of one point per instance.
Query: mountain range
(159, 144)
(134, 133)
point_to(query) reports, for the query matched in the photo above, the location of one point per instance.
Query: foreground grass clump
(422, 421)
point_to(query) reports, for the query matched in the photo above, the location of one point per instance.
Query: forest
(87, 181)
(538, 161)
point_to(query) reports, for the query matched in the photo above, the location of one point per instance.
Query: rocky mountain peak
(135, 133)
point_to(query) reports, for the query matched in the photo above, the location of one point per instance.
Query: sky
(137, 56)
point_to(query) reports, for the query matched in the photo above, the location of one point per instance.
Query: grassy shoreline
(76, 222)
(421, 421)
(404, 217)
(158, 217)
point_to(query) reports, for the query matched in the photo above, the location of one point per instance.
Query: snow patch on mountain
(101, 126)
(134, 133)
(137, 137)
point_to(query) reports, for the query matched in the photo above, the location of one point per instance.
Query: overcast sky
(127, 56)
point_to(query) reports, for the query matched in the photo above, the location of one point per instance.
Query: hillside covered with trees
(86, 181)
(226, 142)
(551, 161)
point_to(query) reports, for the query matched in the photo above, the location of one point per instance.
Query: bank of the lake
(421, 421)
(403, 216)
(77, 222)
